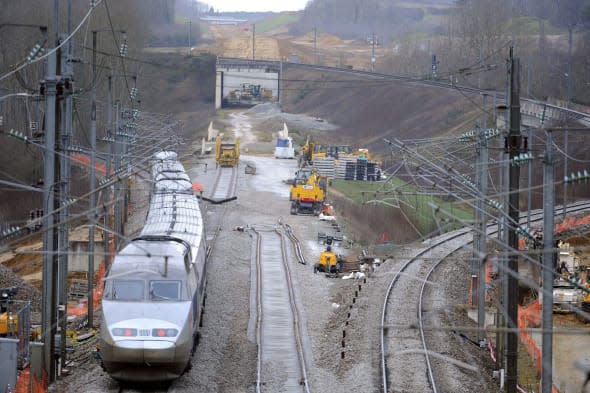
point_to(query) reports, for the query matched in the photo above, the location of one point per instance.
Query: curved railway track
(278, 330)
(399, 310)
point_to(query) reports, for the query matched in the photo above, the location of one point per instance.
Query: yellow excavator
(8, 319)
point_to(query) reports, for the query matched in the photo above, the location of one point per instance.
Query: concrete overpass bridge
(234, 73)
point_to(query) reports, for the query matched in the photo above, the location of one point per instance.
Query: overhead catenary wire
(56, 48)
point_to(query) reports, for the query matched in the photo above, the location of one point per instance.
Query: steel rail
(233, 185)
(296, 243)
(293, 309)
(386, 300)
(217, 180)
(295, 312)
(230, 186)
(421, 326)
(581, 206)
(258, 309)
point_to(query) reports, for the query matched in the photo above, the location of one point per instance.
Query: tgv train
(155, 288)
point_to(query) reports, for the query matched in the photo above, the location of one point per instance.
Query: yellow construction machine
(308, 192)
(313, 150)
(307, 152)
(8, 318)
(329, 262)
(227, 154)
(586, 299)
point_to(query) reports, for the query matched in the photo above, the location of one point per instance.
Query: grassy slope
(401, 196)
(275, 22)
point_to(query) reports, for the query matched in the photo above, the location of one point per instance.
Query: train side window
(164, 290)
(128, 289)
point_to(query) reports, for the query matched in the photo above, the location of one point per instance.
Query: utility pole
(279, 87)
(92, 216)
(50, 270)
(476, 219)
(514, 145)
(253, 41)
(500, 304)
(483, 250)
(530, 175)
(117, 194)
(565, 135)
(434, 67)
(65, 133)
(373, 53)
(548, 266)
(109, 158)
(189, 36)
(481, 67)
(315, 45)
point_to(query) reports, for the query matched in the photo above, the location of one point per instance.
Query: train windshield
(164, 290)
(128, 289)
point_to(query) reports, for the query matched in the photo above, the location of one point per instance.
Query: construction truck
(8, 318)
(247, 95)
(308, 192)
(227, 154)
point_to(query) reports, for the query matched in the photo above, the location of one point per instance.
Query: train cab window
(164, 290)
(128, 290)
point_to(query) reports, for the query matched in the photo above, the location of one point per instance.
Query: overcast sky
(257, 5)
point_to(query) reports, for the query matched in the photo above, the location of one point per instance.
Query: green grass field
(415, 204)
(527, 25)
(275, 22)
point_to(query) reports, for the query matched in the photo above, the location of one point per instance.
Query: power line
(55, 49)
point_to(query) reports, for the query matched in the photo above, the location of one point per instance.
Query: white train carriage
(173, 181)
(154, 292)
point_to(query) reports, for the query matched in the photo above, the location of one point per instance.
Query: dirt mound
(329, 40)
(26, 290)
(266, 48)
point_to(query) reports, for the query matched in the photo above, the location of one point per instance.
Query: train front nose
(147, 359)
(144, 351)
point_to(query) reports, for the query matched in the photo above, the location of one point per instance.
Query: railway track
(224, 188)
(278, 330)
(409, 346)
(296, 243)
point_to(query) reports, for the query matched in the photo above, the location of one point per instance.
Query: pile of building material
(347, 167)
